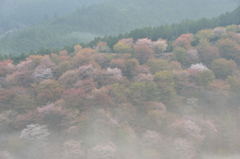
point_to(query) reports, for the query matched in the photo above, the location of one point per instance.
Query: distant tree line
(21, 57)
(168, 32)
(171, 32)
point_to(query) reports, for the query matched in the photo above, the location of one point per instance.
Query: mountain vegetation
(172, 31)
(140, 99)
(45, 25)
(169, 32)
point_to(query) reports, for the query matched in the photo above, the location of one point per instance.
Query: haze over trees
(17, 14)
(140, 101)
(157, 92)
(76, 21)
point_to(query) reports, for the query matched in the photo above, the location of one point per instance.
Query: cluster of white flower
(44, 69)
(192, 129)
(144, 77)
(35, 132)
(144, 41)
(115, 72)
(160, 45)
(188, 128)
(42, 73)
(199, 67)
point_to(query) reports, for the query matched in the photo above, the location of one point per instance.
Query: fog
(104, 134)
(128, 96)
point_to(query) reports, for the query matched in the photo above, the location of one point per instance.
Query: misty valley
(108, 79)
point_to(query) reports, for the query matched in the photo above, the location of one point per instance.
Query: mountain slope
(20, 13)
(109, 17)
(172, 31)
(147, 104)
(119, 16)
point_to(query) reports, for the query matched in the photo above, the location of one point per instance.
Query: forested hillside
(169, 32)
(142, 101)
(106, 17)
(114, 16)
(172, 31)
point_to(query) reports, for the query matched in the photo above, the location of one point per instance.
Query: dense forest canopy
(140, 101)
(172, 31)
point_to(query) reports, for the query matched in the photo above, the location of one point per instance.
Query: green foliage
(223, 68)
(104, 19)
(143, 53)
(234, 84)
(124, 46)
(203, 78)
(23, 102)
(157, 65)
(166, 85)
(181, 56)
(143, 91)
(48, 91)
(119, 93)
(130, 68)
(229, 49)
(207, 52)
(172, 31)
(164, 78)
